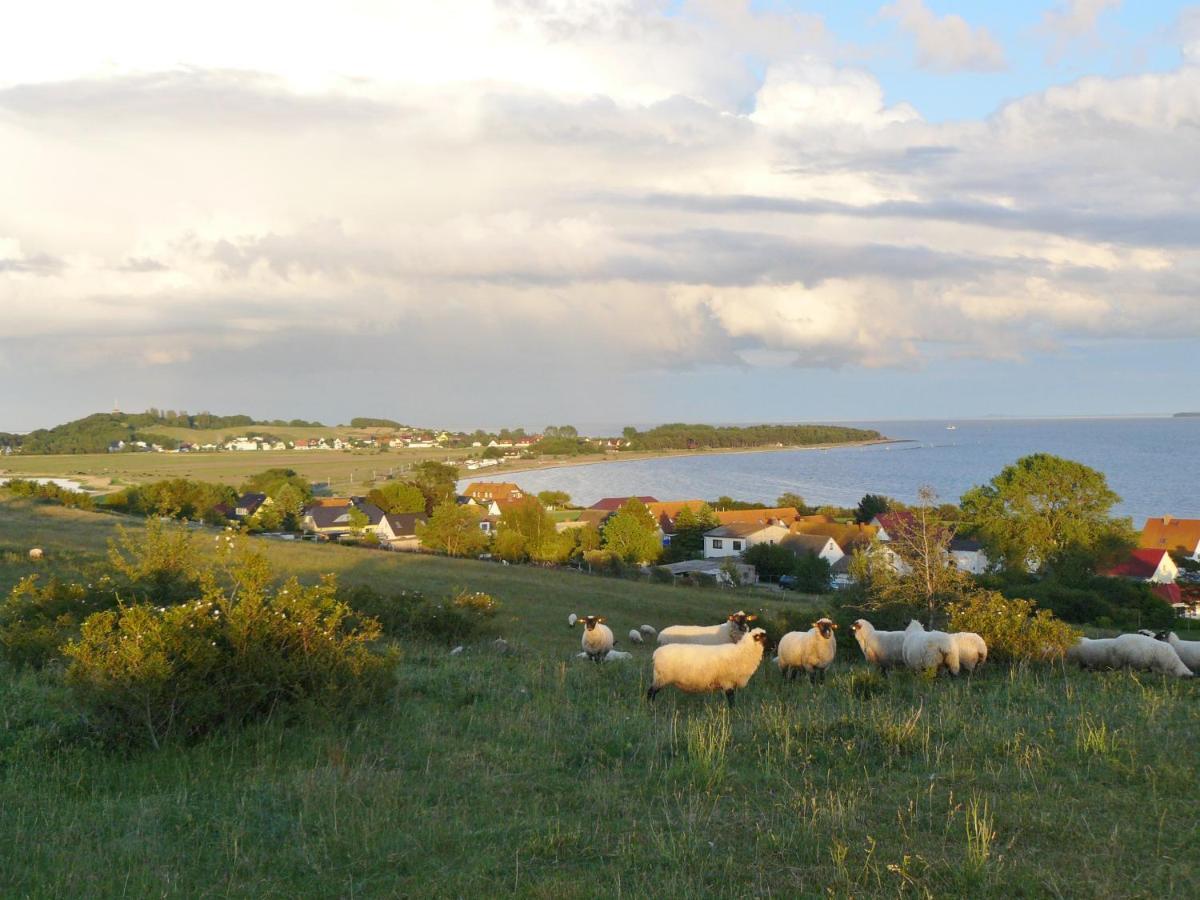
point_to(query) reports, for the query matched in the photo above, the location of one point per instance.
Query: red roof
(1141, 563)
(1169, 592)
(896, 522)
(612, 504)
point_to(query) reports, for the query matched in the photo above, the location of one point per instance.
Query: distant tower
(116, 408)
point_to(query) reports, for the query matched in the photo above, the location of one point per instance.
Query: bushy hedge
(462, 616)
(1015, 629)
(49, 493)
(1106, 602)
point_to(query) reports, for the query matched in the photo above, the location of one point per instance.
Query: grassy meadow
(535, 774)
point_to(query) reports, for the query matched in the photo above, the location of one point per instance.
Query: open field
(343, 470)
(535, 774)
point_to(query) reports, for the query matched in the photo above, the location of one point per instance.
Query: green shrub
(146, 673)
(36, 619)
(1014, 629)
(411, 614)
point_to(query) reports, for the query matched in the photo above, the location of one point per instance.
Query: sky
(525, 212)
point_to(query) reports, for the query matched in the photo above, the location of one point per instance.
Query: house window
(737, 545)
(718, 543)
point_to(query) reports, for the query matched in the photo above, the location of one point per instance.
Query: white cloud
(946, 43)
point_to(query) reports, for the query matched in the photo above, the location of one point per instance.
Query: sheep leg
(729, 696)
(651, 692)
(822, 676)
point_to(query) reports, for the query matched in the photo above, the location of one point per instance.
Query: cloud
(946, 43)
(1073, 20)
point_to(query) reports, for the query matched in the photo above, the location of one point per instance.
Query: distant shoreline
(532, 466)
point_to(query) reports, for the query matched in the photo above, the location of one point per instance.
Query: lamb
(597, 637)
(1136, 651)
(811, 650)
(972, 649)
(649, 631)
(699, 668)
(1189, 651)
(1092, 653)
(728, 632)
(571, 620)
(635, 636)
(882, 649)
(929, 649)
(36, 553)
(610, 656)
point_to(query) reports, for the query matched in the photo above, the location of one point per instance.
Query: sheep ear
(601, 619)
(751, 618)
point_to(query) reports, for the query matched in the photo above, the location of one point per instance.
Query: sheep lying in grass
(36, 553)
(1189, 651)
(811, 651)
(648, 631)
(610, 656)
(700, 668)
(972, 649)
(728, 632)
(929, 649)
(1092, 653)
(882, 649)
(597, 638)
(635, 636)
(1136, 651)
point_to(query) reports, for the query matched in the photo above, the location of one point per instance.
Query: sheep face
(740, 621)
(590, 622)
(759, 635)
(826, 627)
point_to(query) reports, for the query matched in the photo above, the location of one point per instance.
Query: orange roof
(493, 490)
(847, 536)
(331, 501)
(672, 508)
(1168, 533)
(779, 513)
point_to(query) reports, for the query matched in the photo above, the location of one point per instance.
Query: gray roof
(702, 566)
(404, 524)
(739, 529)
(810, 543)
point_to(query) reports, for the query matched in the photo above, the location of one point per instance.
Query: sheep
(1189, 651)
(610, 656)
(1092, 653)
(1136, 651)
(457, 650)
(36, 553)
(972, 649)
(649, 631)
(571, 620)
(635, 636)
(811, 650)
(728, 632)
(929, 649)
(882, 649)
(597, 637)
(699, 668)
(500, 645)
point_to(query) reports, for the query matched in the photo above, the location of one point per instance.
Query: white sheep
(1092, 653)
(597, 637)
(610, 656)
(1136, 651)
(1189, 651)
(728, 632)
(882, 649)
(649, 631)
(929, 649)
(972, 649)
(811, 651)
(700, 668)
(635, 636)
(571, 620)
(36, 553)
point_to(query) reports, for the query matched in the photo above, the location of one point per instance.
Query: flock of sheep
(705, 658)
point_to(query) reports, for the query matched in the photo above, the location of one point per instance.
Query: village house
(329, 518)
(774, 515)
(968, 556)
(849, 537)
(612, 504)
(716, 569)
(893, 524)
(734, 539)
(493, 490)
(1181, 536)
(398, 531)
(665, 514)
(1142, 564)
(819, 545)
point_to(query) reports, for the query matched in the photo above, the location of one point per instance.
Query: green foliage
(398, 497)
(180, 498)
(145, 674)
(870, 506)
(789, 498)
(813, 574)
(525, 530)
(1015, 630)
(1106, 602)
(436, 481)
(688, 540)
(410, 614)
(724, 504)
(703, 437)
(1044, 511)
(492, 453)
(160, 565)
(272, 481)
(357, 519)
(361, 422)
(37, 618)
(453, 530)
(771, 560)
(554, 499)
(631, 534)
(560, 431)
(49, 493)
(562, 446)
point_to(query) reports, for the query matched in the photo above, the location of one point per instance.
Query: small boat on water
(951, 427)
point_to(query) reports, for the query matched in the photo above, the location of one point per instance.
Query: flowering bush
(37, 618)
(1015, 630)
(412, 614)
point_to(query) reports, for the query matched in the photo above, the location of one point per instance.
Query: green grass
(535, 774)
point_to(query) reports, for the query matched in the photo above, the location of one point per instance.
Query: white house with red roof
(1145, 564)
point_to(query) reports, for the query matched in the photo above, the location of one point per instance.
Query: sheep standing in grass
(728, 632)
(597, 638)
(635, 636)
(811, 651)
(571, 620)
(1189, 651)
(648, 631)
(882, 649)
(700, 668)
(1092, 653)
(929, 649)
(36, 553)
(972, 649)
(1136, 651)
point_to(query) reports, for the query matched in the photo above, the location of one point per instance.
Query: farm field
(535, 774)
(343, 471)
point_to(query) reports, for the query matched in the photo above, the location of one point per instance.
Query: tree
(492, 453)
(813, 574)
(271, 481)
(453, 530)
(1042, 511)
(510, 546)
(398, 497)
(358, 519)
(870, 506)
(791, 499)
(770, 560)
(554, 499)
(289, 501)
(632, 534)
(688, 540)
(528, 519)
(437, 481)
